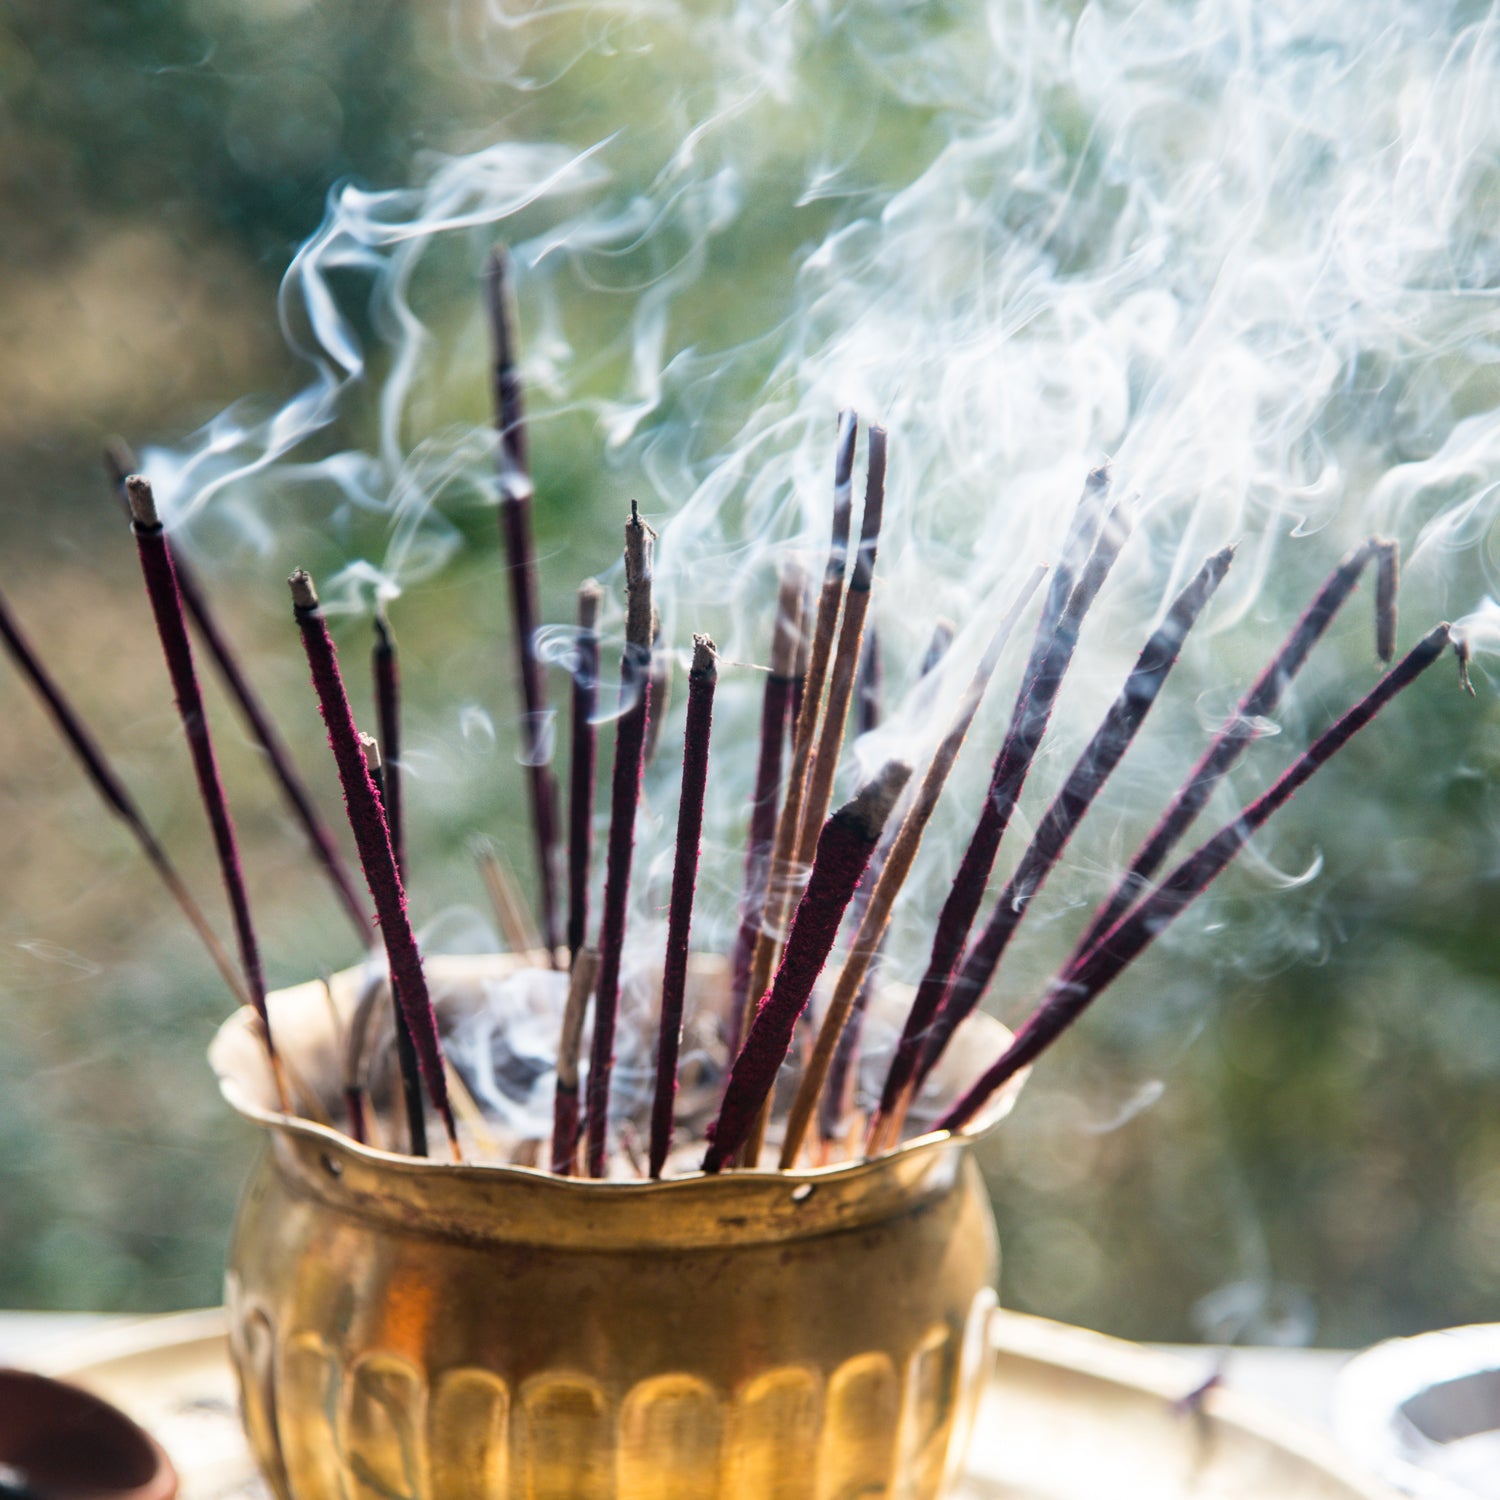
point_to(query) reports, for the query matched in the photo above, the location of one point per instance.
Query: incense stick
(846, 658)
(386, 670)
(171, 628)
(520, 567)
(114, 794)
(844, 849)
(517, 930)
(785, 643)
(582, 763)
(1092, 970)
(630, 738)
(1051, 654)
(1087, 778)
(661, 689)
(898, 864)
(565, 1099)
(702, 679)
(1243, 726)
(262, 727)
(373, 839)
(784, 876)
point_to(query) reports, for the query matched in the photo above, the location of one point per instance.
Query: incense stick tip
(304, 591)
(371, 746)
(871, 805)
(1464, 651)
(1099, 477)
(142, 500)
(705, 657)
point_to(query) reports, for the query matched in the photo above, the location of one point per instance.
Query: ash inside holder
(575, 1055)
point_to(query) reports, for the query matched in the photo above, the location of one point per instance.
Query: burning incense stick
(520, 567)
(166, 606)
(109, 786)
(1084, 783)
(517, 930)
(1243, 726)
(373, 839)
(1051, 653)
(1092, 970)
(120, 463)
(846, 658)
(565, 1100)
(1387, 584)
(581, 767)
(783, 876)
(898, 864)
(661, 688)
(630, 742)
(702, 679)
(387, 674)
(844, 849)
(785, 642)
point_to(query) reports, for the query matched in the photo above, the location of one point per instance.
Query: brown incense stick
(517, 930)
(784, 876)
(565, 1101)
(785, 643)
(373, 840)
(1244, 725)
(630, 738)
(515, 527)
(898, 864)
(844, 849)
(845, 663)
(1051, 655)
(582, 764)
(109, 786)
(1084, 783)
(120, 463)
(702, 679)
(661, 688)
(166, 607)
(406, 1050)
(1091, 971)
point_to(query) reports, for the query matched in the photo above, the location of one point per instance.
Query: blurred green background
(1320, 1157)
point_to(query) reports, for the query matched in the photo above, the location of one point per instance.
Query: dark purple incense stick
(109, 786)
(1243, 726)
(844, 848)
(386, 669)
(1084, 783)
(257, 719)
(1051, 654)
(373, 839)
(1092, 970)
(520, 567)
(785, 644)
(581, 768)
(166, 606)
(570, 1043)
(625, 794)
(702, 679)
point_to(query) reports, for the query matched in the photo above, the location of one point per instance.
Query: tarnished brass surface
(414, 1329)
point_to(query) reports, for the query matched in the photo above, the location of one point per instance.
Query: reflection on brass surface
(407, 1330)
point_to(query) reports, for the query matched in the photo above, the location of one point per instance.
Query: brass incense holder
(419, 1329)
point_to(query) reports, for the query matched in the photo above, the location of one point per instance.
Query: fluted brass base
(413, 1329)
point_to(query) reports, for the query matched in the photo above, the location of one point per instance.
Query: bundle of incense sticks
(810, 874)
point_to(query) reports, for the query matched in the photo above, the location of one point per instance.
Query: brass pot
(407, 1328)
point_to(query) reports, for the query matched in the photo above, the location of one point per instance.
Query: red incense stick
(844, 848)
(775, 705)
(386, 670)
(581, 768)
(520, 567)
(1051, 654)
(702, 679)
(373, 840)
(1084, 783)
(257, 719)
(166, 607)
(109, 786)
(625, 794)
(1243, 726)
(1092, 970)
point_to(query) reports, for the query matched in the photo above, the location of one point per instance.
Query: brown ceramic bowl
(60, 1443)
